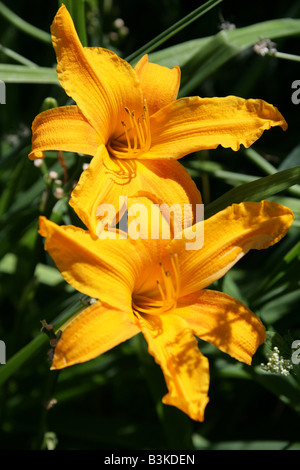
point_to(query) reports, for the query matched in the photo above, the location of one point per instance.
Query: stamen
(160, 290)
(127, 136)
(136, 138)
(175, 266)
(168, 287)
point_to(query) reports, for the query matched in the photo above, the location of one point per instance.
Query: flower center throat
(168, 286)
(136, 138)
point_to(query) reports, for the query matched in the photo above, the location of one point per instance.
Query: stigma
(136, 138)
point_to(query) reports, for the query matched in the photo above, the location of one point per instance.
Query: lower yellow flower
(157, 287)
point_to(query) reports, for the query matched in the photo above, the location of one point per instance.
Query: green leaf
(280, 305)
(22, 74)
(285, 388)
(174, 29)
(292, 159)
(257, 190)
(78, 15)
(17, 57)
(23, 25)
(246, 445)
(200, 58)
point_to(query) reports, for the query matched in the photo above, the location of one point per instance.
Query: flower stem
(28, 351)
(283, 55)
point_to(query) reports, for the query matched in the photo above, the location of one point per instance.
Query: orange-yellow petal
(191, 124)
(224, 322)
(107, 179)
(185, 369)
(77, 75)
(98, 268)
(63, 128)
(93, 331)
(229, 235)
(121, 83)
(100, 82)
(159, 84)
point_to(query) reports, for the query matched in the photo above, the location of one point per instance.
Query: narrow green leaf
(199, 58)
(249, 445)
(279, 273)
(285, 388)
(260, 161)
(17, 57)
(22, 74)
(174, 29)
(269, 169)
(257, 190)
(23, 25)
(217, 170)
(292, 159)
(78, 15)
(279, 304)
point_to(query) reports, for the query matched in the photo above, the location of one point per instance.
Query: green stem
(174, 29)
(28, 351)
(23, 25)
(50, 384)
(283, 55)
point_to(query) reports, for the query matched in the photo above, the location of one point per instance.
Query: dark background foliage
(113, 402)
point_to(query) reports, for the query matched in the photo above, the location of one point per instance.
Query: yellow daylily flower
(132, 124)
(157, 287)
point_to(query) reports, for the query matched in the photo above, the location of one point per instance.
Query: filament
(168, 287)
(136, 138)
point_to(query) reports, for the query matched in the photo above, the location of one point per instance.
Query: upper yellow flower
(130, 121)
(157, 287)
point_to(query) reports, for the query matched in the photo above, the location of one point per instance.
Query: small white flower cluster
(58, 191)
(277, 364)
(264, 47)
(227, 26)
